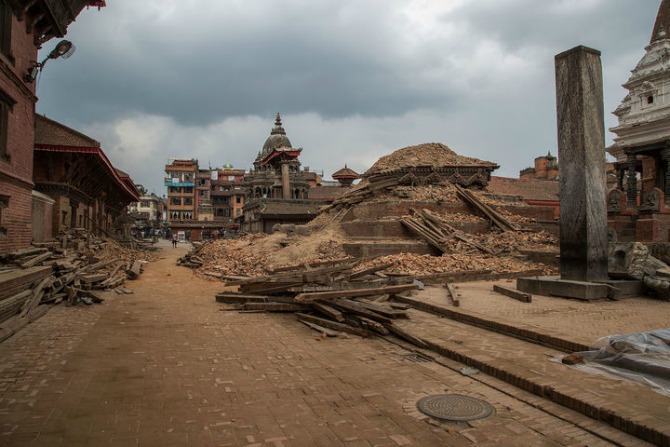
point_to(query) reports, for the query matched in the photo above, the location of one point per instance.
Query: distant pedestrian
(174, 240)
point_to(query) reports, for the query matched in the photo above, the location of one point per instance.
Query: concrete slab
(555, 286)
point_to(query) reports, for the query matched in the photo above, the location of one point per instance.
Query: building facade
(72, 169)
(638, 205)
(277, 189)
(147, 214)
(26, 26)
(202, 203)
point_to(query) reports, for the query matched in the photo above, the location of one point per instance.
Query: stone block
(555, 286)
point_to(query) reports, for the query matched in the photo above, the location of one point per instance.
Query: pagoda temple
(637, 206)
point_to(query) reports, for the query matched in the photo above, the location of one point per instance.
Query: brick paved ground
(168, 366)
(578, 320)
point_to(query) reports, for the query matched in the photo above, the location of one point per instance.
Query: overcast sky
(353, 79)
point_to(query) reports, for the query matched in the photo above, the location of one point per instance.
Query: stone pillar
(581, 147)
(664, 183)
(631, 180)
(285, 181)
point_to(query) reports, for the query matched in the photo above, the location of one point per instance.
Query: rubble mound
(427, 154)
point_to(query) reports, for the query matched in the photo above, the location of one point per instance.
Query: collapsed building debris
(70, 269)
(338, 296)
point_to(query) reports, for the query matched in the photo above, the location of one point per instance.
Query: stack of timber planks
(71, 269)
(331, 298)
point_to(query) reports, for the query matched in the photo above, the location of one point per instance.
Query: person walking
(174, 240)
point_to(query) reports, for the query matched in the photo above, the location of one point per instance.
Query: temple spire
(662, 25)
(278, 130)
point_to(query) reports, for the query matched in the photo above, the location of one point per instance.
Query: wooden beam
(333, 325)
(512, 293)
(308, 297)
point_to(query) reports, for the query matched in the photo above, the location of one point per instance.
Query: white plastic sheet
(642, 357)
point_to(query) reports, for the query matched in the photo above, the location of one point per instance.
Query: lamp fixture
(63, 49)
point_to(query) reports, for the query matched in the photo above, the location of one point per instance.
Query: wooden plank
(329, 311)
(395, 330)
(239, 298)
(321, 329)
(92, 278)
(452, 295)
(356, 308)
(383, 310)
(135, 270)
(485, 209)
(333, 325)
(276, 307)
(15, 324)
(370, 325)
(37, 294)
(513, 293)
(371, 270)
(308, 297)
(35, 260)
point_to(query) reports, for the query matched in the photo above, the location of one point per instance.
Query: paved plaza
(169, 366)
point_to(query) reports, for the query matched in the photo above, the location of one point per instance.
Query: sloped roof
(48, 131)
(345, 172)
(531, 189)
(52, 136)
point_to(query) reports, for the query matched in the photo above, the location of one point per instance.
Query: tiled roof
(345, 172)
(532, 189)
(662, 21)
(48, 131)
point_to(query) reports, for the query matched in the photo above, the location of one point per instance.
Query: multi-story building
(180, 183)
(227, 195)
(202, 203)
(26, 26)
(147, 213)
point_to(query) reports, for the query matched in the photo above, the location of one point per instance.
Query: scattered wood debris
(70, 269)
(330, 298)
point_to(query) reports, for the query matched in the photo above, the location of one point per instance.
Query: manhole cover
(455, 407)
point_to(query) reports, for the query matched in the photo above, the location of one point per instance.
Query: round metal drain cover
(455, 407)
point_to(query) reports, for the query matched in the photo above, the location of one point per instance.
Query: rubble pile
(422, 174)
(69, 269)
(428, 154)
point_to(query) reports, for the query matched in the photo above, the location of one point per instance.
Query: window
(650, 99)
(4, 203)
(175, 201)
(238, 199)
(188, 201)
(5, 28)
(6, 103)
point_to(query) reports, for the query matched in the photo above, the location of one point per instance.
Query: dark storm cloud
(330, 59)
(353, 79)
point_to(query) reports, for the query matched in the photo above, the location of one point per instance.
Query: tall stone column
(581, 148)
(285, 181)
(631, 180)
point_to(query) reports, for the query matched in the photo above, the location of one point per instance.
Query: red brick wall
(16, 173)
(42, 219)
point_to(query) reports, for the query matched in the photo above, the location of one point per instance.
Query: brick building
(545, 168)
(71, 169)
(203, 203)
(26, 26)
